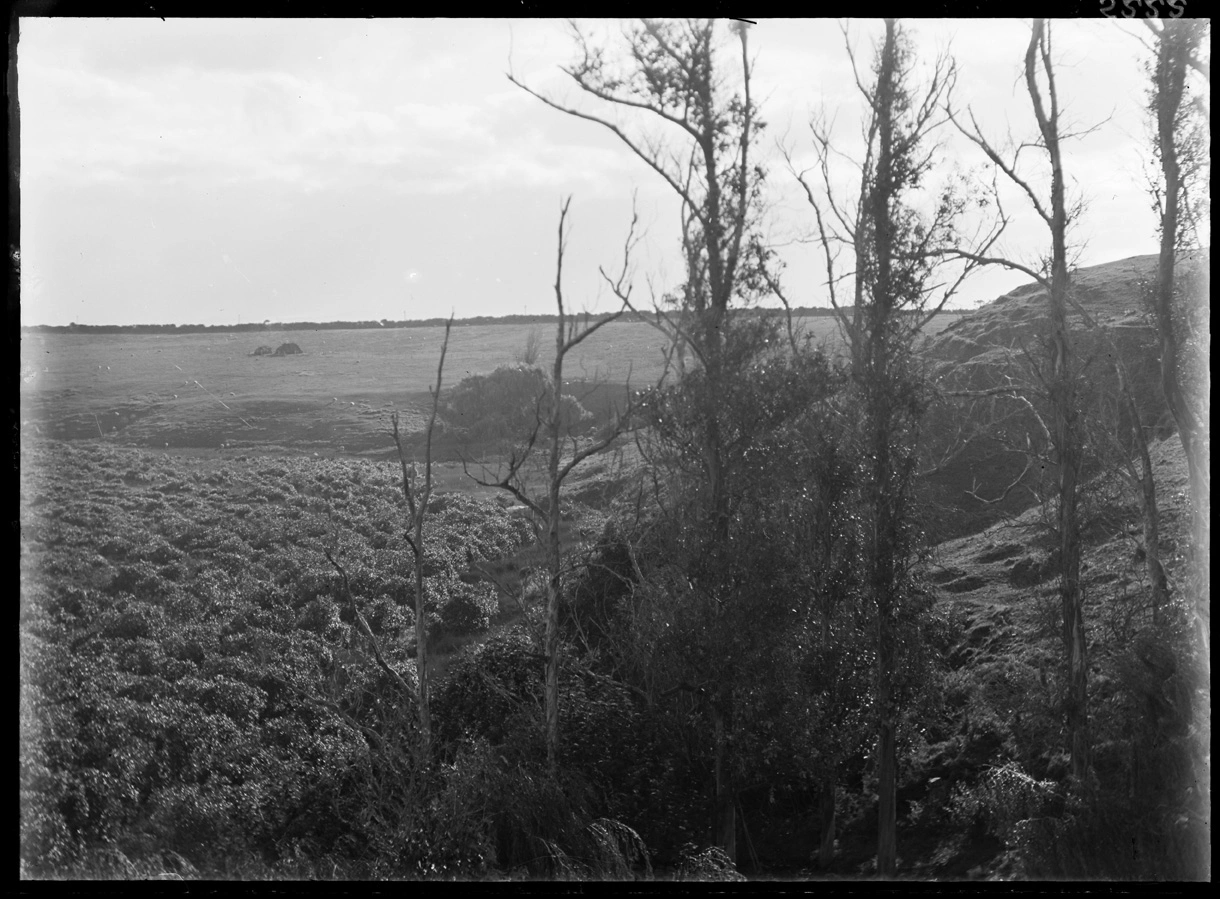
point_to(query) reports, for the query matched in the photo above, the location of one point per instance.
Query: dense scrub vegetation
(183, 631)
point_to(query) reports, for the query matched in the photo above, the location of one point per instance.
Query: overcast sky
(216, 171)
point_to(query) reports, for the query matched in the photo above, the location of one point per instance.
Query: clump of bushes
(1002, 801)
(710, 864)
(504, 407)
(469, 609)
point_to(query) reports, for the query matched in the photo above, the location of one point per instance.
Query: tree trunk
(717, 496)
(552, 671)
(553, 554)
(1200, 490)
(880, 411)
(1065, 434)
(1150, 514)
(726, 799)
(1152, 535)
(1174, 50)
(887, 760)
(418, 504)
(421, 643)
(826, 851)
(1067, 457)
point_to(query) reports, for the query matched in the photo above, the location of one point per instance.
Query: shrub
(709, 864)
(1141, 814)
(453, 832)
(140, 579)
(469, 609)
(1107, 835)
(619, 850)
(131, 624)
(539, 820)
(47, 842)
(387, 618)
(487, 686)
(1002, 802)
(320, 615)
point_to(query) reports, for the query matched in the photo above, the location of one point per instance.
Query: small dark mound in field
(287, 349)
(263, 350)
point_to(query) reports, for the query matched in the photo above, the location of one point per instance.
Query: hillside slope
(989, 356)
(998, 590)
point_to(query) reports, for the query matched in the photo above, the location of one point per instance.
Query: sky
(220, 171)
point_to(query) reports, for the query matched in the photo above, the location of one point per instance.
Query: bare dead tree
(562, 458)
(417, 497)
(1061, 374)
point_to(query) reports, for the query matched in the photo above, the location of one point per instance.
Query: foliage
(538, 817)
(192, 680)
(770, 618)
(710, 864)
(503, 408)
(488, 687)
(469, 609)
(1003, 801)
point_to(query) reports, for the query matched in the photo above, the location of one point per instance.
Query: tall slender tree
(1181, 142)
(1179, 107)
(1061, 373)
(895, 251)
(672, 77)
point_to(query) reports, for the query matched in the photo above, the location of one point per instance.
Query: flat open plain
(206, 390)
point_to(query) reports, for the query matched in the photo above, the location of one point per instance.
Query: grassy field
(207, 391)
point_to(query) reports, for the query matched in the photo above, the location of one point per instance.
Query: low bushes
(196, 695)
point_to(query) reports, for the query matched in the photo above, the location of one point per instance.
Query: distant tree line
(74, 328)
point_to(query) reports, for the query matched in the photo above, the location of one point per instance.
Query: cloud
(316, 153)
(143, 47)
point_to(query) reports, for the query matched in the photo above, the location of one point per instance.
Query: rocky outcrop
(263, 350)
(287, 349)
